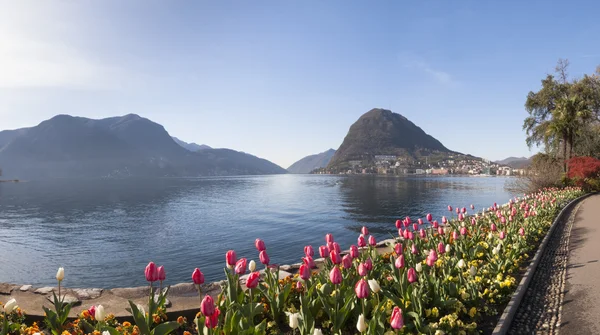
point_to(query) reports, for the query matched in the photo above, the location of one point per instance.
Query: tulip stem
(251, 309)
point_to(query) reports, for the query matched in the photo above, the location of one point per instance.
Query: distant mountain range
(130, 145)
(193, 147)
(381, 132)
(515, 162)
(312, 162)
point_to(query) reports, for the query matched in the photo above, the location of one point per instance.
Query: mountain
(381, 132)
(130, 145)
(193, 147)
(309, 163)
(515, 162)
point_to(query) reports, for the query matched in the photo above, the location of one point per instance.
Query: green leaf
(164, 328)
(140, 320)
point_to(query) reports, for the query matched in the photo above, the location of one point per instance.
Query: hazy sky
(285, 79)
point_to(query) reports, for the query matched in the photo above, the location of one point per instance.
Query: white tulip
(317, 332)
(447, 248)
(37, 333)
(205, 331)
(473, 271)
(461, 264)
(106, 332)
(361, 325)
(252, 266)
(293, 319)
(419, 267)
(495, 251)
(10, 306)
(374, 285)
(440, 332)
(100, 315)
(60, 274)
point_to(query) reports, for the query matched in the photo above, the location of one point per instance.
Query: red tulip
(399, 263)
(207, 306)
(198, 277)
(396, 320)
(410, 235)
(309, 251)
(264, 258)
(364, 231)
(408, 220)
(230, 258)
(398, 224)
(240, 266)
(329, 238)
(361, 289)
(415, 226)
(372, 241)
(213, 320)
(304, 272)
(420, 221)
(330, 246)
(362, 270)
(252, 280)
(369, 264)
(151, 272)
(422, 233)
(361, 241)
(161, 273)
(398, 248)
(429, 217)
(335, 275)
(260, 245)
(449, 208)
(464, 210)
(323, 251)
(411, 274)
(335, 257)
(347, 261)
(309, 262)
(354, 251)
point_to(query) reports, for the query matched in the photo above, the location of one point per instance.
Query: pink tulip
(435, 224)
(420, 221)
(441, 248)
(364, 231)
(457, 210)
(151, 272)
(336, 247)
(493, 227)
(502, 235)
(472, 207)
(473, 222)
(329, 238)
(347, 261)
(449, 208)
(411, 274)
(198, 277)
(304, 272)
(362, 270)
(396, 320)
(354, 251)
(522, 231)
(298, 285)
(264, 258)
(461, 216)
(433, 255)
(422, 233)
(372, 241)
(405, 234)
(400, 232)
(399, 263)
(240, 266)
(92, 311)
(444, 220)
(408, 220)
(503, 220)
(252, 280)
(309, 251)
(330, 246)
(309, 262)
(335, 275)
(398, 248)
(398, 224)
(415, 226)
(361, 241)
(213, 320)
(369, 264)
(414, 250)
(510, 218)
(430, 262)
(440, 230)
(207, 306)
(361, 289)
(323, 251)
(464, 210)
(335, 257)
(161, 273)
(429, 217)
(230, 258)
(463, 231)
(454, 235)
(260, 245)
(406, 223)
(410, 235)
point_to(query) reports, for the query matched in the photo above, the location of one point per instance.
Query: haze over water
(104, 232)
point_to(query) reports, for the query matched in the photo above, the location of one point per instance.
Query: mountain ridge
(312, 162)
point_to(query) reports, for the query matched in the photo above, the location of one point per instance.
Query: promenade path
(581, 304)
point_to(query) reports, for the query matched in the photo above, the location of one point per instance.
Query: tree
(559, 111)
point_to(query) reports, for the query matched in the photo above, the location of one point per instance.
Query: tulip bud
(415, 227)
(10, 306)
(264, 258)
(398, 248)
(435, 224)
(444, 220)
(414, 250)
(441, 248)
(440, 231)
(362, 270)
(374, 285)
(304, 272)
(293, 319)
(347, 261)
(198, 277)
(207, 306)
(399, 263)
(369, 264)
(447, 247)
(502, 235)
(472, 207)
(361, 289)
(323, 251)
(364, 231)
(335, 257)
(455, 235)
(461, 216)
(449, 208)
(473, 271)
(361, 241)
(461, 264)
(411, 275)
(372, 241)
(354, 251)
(493, 227)
(361, 325)
(429, 217)
(240, 266)
(161, 273)
(463, 231)
(260, 245)
(231, 259)
(420, 221)
(298, 285)
(398, 224)
(495, 251)
(396, 320)
(151, 273)
(419, 267)
(522, 231)
(309, 251)
(100, 314)
(253, 279)
(60, 274)
(336, 247)
(422, 233)
(433, 255)
(309, 262)
(335, 275)
(252, 265)
(317, 332)
(329, 238)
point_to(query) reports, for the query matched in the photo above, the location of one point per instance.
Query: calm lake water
(104, 232)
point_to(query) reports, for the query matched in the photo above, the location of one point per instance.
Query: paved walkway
(581, 304)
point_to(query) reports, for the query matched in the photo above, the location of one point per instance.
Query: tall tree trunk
(565, 140)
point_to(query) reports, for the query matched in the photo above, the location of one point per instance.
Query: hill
(381, 132)
(193, 147)
(130, 145)
(515, 162)
(312, 162)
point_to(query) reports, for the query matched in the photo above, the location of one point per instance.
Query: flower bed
(438, 278)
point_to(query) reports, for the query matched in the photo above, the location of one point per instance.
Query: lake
(104, 232)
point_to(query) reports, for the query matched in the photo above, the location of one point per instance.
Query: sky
(286, 79)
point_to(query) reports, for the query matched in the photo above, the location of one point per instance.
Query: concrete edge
(506, 319)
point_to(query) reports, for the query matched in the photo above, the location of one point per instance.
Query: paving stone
(25, 288)
(45, 290)
(87, 293)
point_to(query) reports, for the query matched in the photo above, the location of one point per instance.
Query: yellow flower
(435, 312)
(473, 312)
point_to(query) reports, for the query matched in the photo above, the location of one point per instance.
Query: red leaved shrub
(584, 171)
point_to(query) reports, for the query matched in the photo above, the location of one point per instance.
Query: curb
(506, 319)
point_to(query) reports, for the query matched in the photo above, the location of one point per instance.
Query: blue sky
(285, 79)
